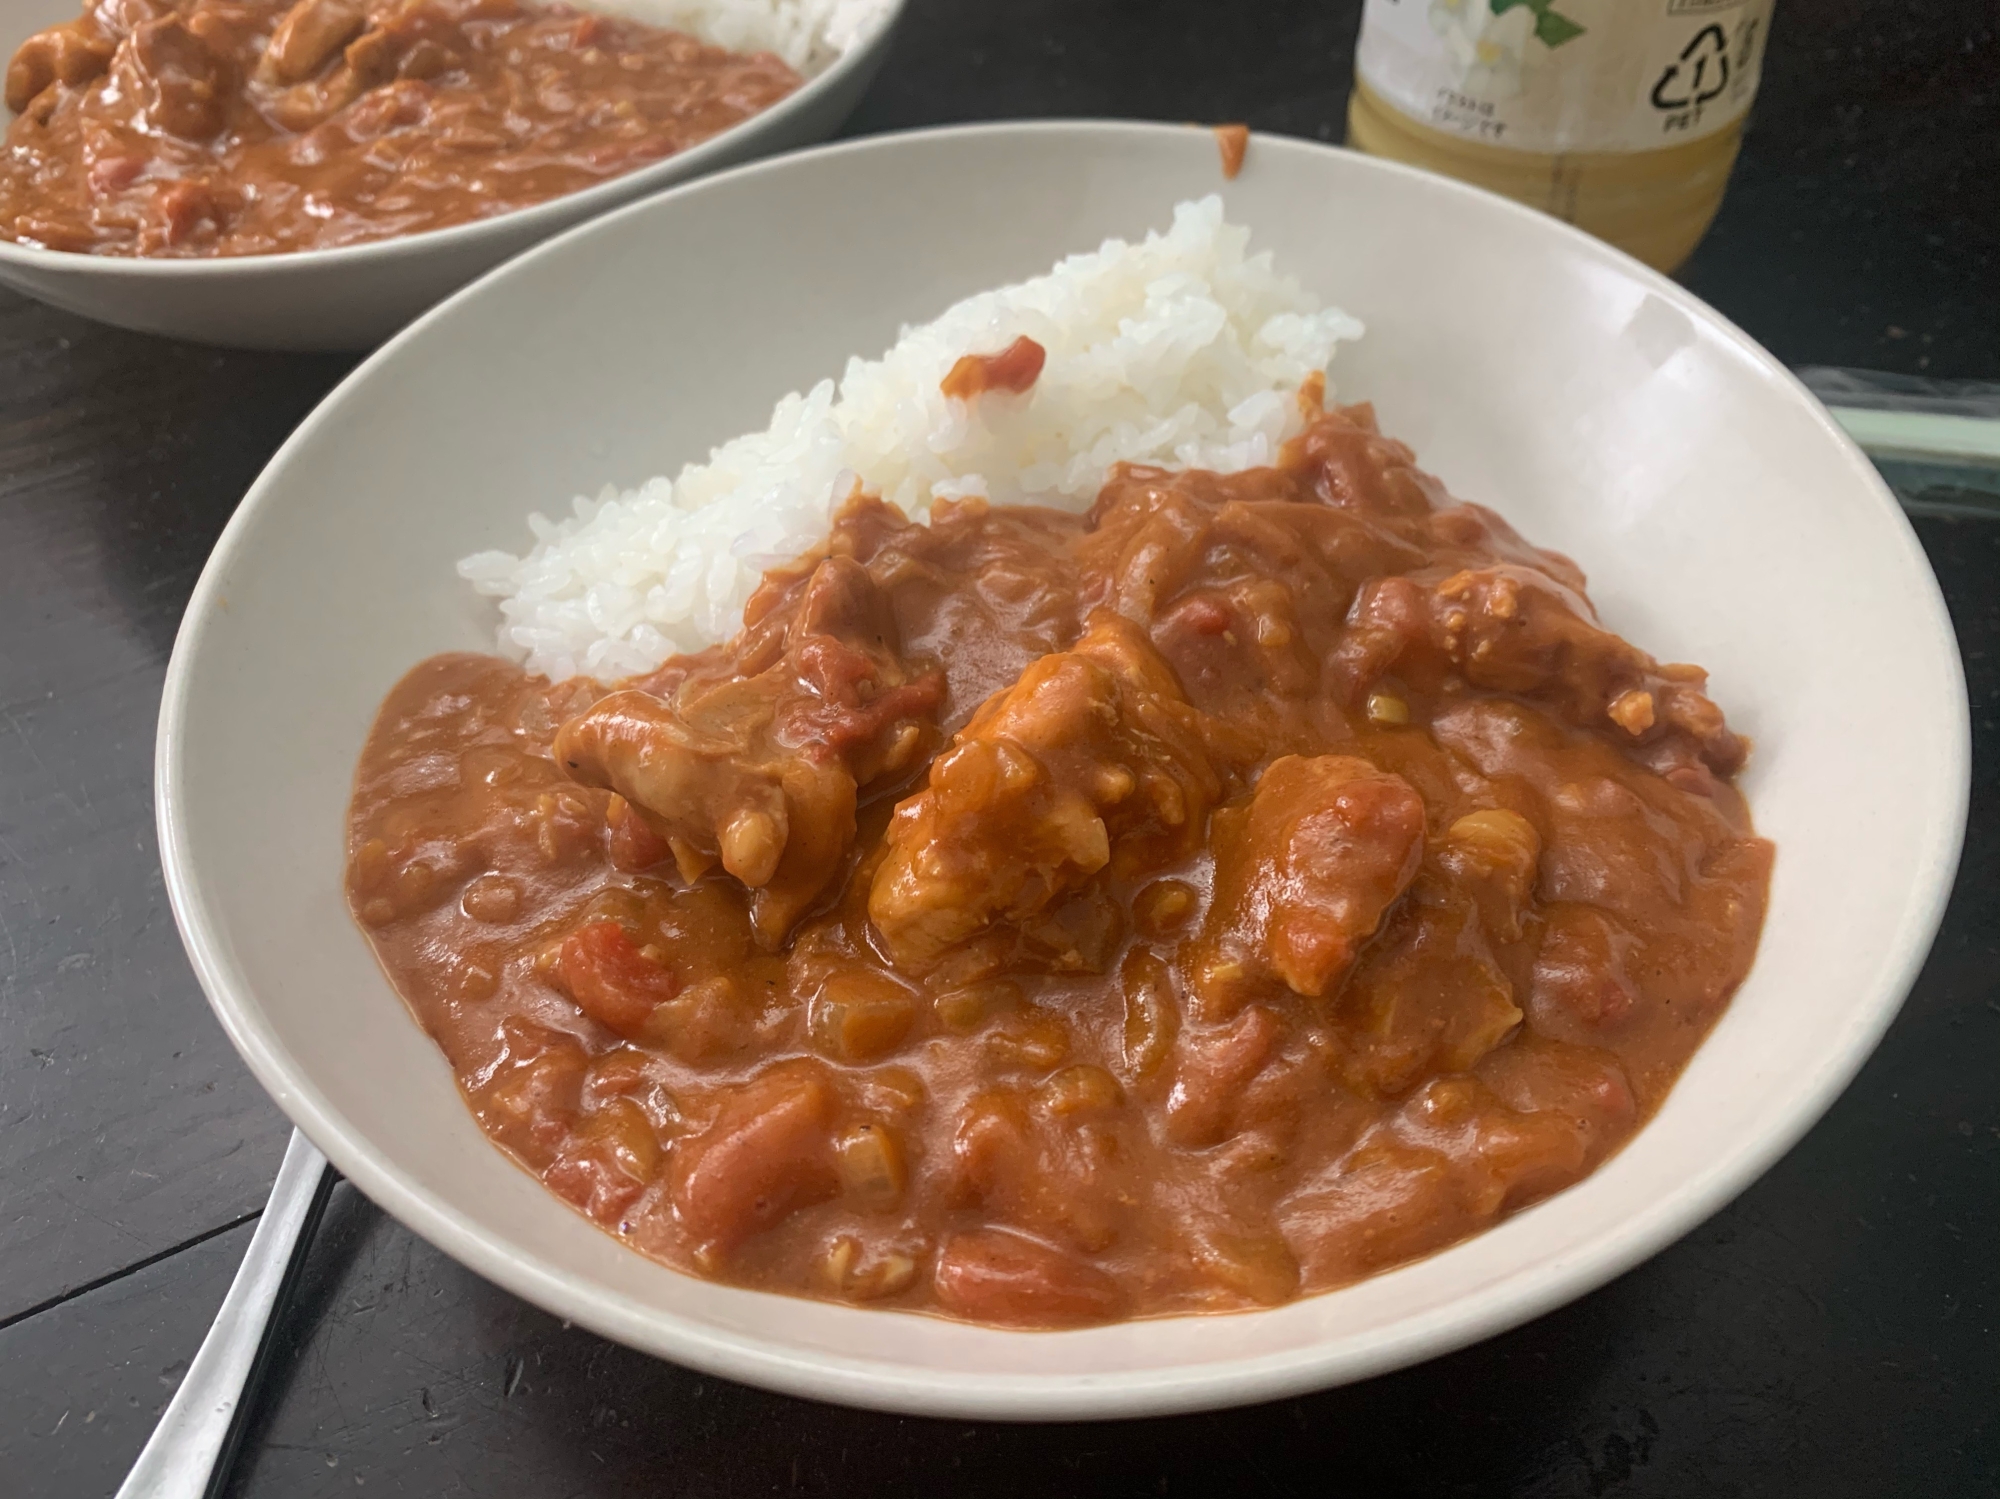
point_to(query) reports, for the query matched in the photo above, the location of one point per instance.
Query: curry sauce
(247, 127)
(1036, 918)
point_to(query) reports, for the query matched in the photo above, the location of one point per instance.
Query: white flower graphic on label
(1486, 50)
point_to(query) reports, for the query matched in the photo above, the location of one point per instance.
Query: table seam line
(52, 1302)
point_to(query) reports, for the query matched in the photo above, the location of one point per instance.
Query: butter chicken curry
(245, 127)
(1041, 918)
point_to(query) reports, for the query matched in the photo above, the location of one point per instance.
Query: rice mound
(1182, 350)
(807, 34)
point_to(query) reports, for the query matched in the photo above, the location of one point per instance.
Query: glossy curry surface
(247, 127)
(1041, 919)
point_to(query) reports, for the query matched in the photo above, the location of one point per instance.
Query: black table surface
(1831, 1333)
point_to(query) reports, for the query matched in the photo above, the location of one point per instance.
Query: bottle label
(1566, 75)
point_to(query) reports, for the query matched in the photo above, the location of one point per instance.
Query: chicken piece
(843, 651)
(316, 100)
(1241, 578)
(182, 84)
(1511, 628)
(1092, 757)
(120, 18)
(720, 791)
(760, 771)
(70, 54)
(1346, 462)
(1149, 530)
(1304, 876)
(310, 32)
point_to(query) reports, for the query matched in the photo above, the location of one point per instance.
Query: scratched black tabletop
(1830, 1334)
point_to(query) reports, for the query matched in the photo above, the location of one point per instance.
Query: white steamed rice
(805, 33)
(1183, 349)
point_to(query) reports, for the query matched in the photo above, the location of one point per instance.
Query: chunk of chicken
(1304, 876)
(69, 54)
(1348, 464)
(181, 82)
(1092, 756)
(1512, 628)
(721, 791)
(760, 771)
(310, 32)
(120, 18)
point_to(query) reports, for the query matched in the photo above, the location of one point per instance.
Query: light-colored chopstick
(1923, 436)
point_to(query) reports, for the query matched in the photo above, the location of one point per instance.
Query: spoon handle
(189, 1453)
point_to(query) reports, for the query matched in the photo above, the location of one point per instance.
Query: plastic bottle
(1622, 117)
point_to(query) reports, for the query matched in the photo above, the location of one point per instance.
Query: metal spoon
(189, 1453)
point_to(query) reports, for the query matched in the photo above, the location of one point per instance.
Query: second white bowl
(354, 297)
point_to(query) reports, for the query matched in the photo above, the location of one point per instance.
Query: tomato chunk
(611, 980)
(769, 1152)
(1015, 368)
(607, 1161)
(990, 1275)
(532, 1097)
(1216, 1064)
(1234, 142)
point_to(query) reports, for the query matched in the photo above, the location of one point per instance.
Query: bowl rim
(533, 219)
(874, 1384)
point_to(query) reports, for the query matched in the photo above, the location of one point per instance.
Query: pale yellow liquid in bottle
(1655, 204)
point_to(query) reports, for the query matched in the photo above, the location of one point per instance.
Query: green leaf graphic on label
(1554, 30)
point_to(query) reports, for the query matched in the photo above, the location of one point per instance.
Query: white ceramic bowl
(353, 298)
(1723, 517)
